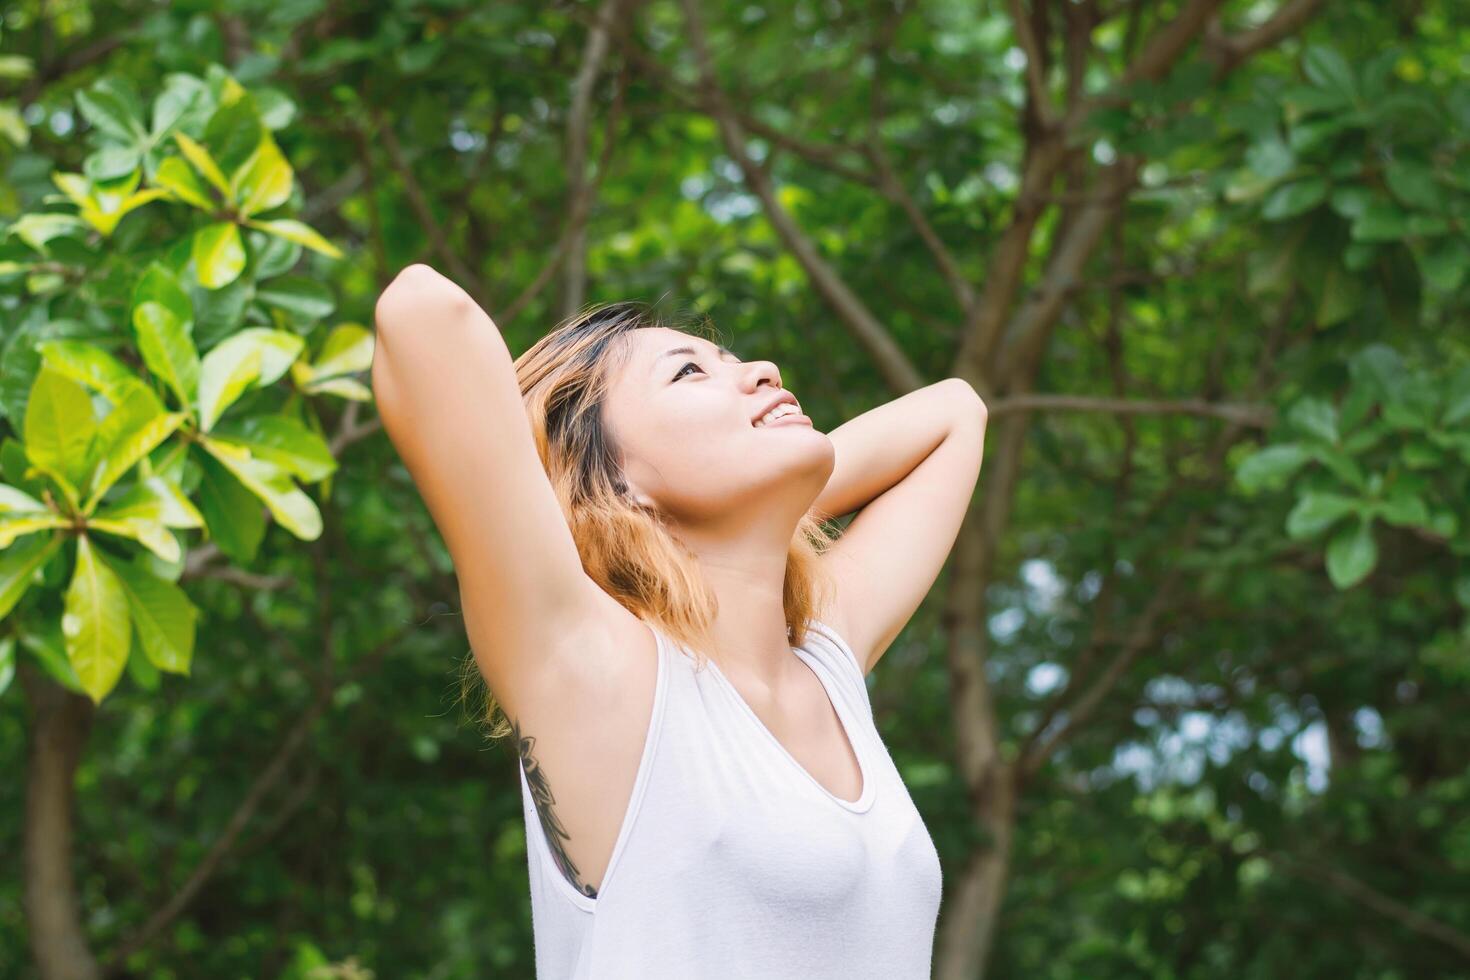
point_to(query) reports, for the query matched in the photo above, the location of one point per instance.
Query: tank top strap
(833, 650)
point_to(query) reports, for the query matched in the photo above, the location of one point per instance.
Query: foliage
(117, 417)
(1277, 786)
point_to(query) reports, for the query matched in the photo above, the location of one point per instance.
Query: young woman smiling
(680, 650)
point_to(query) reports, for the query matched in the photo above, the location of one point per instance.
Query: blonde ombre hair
(627, 548)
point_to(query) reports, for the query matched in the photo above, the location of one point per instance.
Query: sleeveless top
(732, 861)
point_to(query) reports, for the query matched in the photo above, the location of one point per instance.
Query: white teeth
(785, 408)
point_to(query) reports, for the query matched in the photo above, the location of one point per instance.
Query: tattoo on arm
(551, 827)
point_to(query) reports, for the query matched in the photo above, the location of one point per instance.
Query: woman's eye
(688, 364)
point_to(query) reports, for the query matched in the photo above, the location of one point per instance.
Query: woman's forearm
(880, 447)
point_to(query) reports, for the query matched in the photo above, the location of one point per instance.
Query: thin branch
(579, 125)
(1251, 415)
(1371, 898)
(1228, 50)
(1035, 66)
(1141, 636)
(265, 781)
(897, 370)
(419, 201)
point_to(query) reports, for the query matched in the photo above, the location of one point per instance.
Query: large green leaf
(1271, 467)
(176, 177)
(257, 355)
(1315, 512)
(218, 254)
(95, 622)
(265, 180)
(288, 503)
(167, 349)
(1351, 554)
(59, 427)
(18, 567)
(234, 517)
(296, 231)
(162, 614)
(132, 430)
(281, 440)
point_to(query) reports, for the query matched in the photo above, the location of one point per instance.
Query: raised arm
(911, 465)
(445, 386)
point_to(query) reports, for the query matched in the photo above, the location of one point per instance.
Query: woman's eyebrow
(690, 350)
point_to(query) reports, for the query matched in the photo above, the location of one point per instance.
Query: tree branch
(897, 370)
(1251, 415)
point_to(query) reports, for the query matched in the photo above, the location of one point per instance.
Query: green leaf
(1316, 512)
(159, 284)
(59, 426)
(7, 662)
(309, 299)
(1381, 222)
(1404, 508)
(150, 534)
(295, 231)
(272, 256)
(112, 108)
(1445, 263)
(18, 524)
(167, 349)
(218, 254)
(204, 163)
(1413, 183)
(1351, 554)
(95, 623)
(154, 498)
(281, 440)
(175, 176)
(1271, 467)
(234, 517)
(348, 349)
(134, 436)
(163, 615)
(49, 648)
(19, 565)
(288, 503)
(1293, 199)
(225, 373)
(1329, 70)
(1315, 417)
(90, 365)
(265, 180)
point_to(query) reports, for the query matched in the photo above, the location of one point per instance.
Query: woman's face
(683, 411)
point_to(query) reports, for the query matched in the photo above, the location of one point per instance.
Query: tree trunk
(975, 898)
(60, 722)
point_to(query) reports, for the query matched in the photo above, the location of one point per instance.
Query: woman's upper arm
(445, 386)
(890, 554)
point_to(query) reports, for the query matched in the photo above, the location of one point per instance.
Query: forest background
(1190, 699)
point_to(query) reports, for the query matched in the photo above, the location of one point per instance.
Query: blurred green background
(1192, 699)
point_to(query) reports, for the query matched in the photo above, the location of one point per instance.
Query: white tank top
(732, 861)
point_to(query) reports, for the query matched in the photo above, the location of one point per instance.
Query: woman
(626, 505)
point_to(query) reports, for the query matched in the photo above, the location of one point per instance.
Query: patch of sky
(1000, 176)
(1310, 746)
(727, 207)
(1370, 731)
(1005, 624)
(1014, 59)
(1042, 679)
(463, 139)
(34, 113)
(534, 38)
(947, 113)
(752, 14)
(62, 122)
(695, 186)
(758, 149)
(1103, 152)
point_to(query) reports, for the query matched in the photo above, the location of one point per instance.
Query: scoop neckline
(865, 799)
